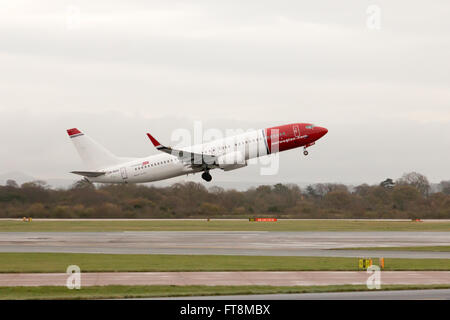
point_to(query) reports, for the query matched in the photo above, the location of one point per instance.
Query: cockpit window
(310, 126)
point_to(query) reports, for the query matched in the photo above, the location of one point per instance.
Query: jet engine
(231, 161)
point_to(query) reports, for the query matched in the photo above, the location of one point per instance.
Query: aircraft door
(123, 172)
(296, 131)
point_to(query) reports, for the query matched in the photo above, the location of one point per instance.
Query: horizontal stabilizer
(89, 174)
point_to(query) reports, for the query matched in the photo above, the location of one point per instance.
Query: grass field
(418, 248)
(220, 225)
(58, 262)
(109, 292)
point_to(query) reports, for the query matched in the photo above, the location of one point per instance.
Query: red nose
(322, 131)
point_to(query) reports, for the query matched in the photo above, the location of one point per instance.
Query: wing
(195, 160)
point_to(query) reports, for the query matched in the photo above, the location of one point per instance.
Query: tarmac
(235, 278)
(261, 243)
(438, 294)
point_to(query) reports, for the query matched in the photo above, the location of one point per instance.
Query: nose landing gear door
(123, 172)
(296, 131)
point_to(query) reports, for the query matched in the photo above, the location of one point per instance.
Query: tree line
(409, 197)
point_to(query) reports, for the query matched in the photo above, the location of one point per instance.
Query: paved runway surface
(285, 278)
(226, 243)
(440, 294)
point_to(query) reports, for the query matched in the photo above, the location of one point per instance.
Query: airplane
(228, 153)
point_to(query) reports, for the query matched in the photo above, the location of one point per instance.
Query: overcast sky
(380, 82)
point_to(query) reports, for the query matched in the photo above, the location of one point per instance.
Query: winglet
(74, 133)
(154, 141)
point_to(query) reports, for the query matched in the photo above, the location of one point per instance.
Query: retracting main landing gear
(305, 152)
(206, 176)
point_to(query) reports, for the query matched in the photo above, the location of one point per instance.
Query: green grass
(108, 292)
(221, 225)
(418, 248)
(89, 262)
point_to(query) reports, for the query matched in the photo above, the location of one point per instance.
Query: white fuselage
(163, 166)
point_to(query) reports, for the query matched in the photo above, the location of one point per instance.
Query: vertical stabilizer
(93, 155)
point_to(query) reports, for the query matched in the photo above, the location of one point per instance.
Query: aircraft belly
(161, 173)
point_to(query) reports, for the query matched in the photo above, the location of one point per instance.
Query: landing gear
(305, 152)
(206, 176)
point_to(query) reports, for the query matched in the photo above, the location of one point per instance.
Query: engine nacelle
(231, 161)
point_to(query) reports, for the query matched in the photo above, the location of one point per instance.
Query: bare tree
(362, 190)
(83, 184)
(12, 183)
(417, 180)
(323, 188)
(444, 187)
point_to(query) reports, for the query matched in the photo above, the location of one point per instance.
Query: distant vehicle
(229, 153)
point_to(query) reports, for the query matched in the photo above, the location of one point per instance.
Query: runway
(439, 294)
(269, 278)
(227, 243)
